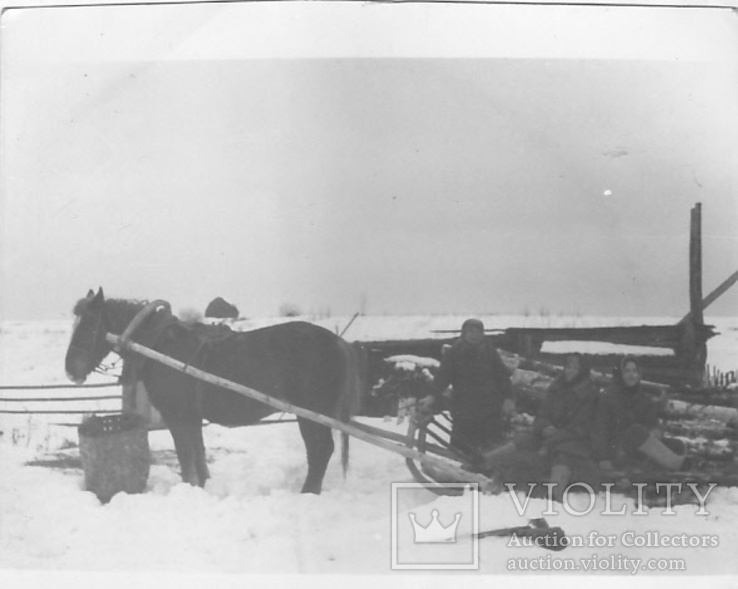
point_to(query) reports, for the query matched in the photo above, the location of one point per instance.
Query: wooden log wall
(677, 370)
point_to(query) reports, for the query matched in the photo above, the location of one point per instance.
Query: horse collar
(140, 317)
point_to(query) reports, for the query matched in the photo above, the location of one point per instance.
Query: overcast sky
(400, 159)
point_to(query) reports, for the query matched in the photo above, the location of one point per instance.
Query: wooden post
(695, 265)
(695, 350)
(129, 397)
(136, 400)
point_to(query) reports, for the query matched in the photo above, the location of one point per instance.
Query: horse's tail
(350, 397)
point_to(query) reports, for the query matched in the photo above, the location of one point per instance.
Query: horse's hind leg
(319, 445)
(185, 437)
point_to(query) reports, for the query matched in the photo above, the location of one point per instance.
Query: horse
(297, 362)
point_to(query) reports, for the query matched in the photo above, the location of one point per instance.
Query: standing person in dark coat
(627, 422)
(482, 390)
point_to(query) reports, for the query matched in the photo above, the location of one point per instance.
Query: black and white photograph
(428, 290)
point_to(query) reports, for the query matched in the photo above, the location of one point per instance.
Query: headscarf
(617, 373)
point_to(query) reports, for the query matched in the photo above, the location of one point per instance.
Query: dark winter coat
(625, 417)
(480, 380)
(570, 407)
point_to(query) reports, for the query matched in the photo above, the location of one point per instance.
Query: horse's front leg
(186, 443)
(201, 465)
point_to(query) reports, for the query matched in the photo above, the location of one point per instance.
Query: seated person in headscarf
(482, 390)
(563, 427)
(627, 423)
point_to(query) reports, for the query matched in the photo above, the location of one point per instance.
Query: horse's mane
(116, 307)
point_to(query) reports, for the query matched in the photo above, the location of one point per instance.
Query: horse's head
(88, 346)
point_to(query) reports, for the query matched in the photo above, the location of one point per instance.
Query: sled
(431, 436)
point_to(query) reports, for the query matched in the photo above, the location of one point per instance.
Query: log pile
(411, 378)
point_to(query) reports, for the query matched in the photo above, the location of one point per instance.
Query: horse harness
(205, 335)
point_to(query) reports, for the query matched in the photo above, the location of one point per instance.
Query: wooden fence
(77, 410)
(719, 379)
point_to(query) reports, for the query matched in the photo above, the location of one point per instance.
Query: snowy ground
(250, 517)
